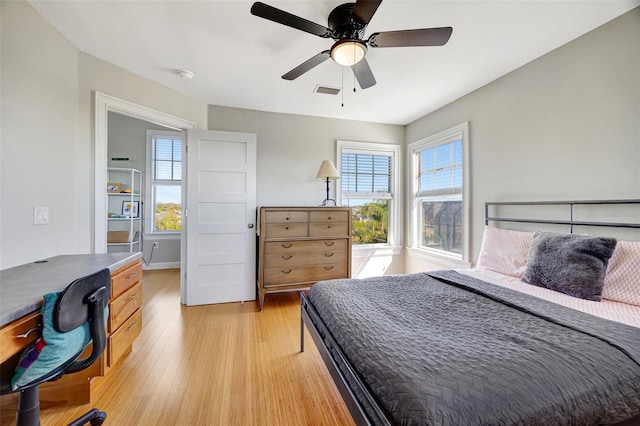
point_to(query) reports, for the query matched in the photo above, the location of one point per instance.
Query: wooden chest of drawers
(125, 316)
(299, 246)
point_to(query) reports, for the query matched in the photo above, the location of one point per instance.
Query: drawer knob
(328, 226)
(286, 218)
(132, 297)
(132, 275)
(287, 246)
(329, 217)
(329, 243)
(286, 272)
(328, 254)
(328, 268)
(132, 326)
(286, 227)
(287, 257)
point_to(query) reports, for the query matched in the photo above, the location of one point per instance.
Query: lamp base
(328, 201)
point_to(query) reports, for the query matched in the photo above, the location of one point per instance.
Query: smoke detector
(185, 74)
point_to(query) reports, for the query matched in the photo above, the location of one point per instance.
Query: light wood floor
(224, 364)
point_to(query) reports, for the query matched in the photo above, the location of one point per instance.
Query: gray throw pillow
(569, 263)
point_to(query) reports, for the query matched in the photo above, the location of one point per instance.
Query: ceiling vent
(327, 90)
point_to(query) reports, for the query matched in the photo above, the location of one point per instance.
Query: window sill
(449, 261)
(368, 250)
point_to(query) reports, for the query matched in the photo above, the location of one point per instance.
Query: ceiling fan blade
(363, 74)
(285, 18)
(364, 10)
(421, 37)
(307, 65)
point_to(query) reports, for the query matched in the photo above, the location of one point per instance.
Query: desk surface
(22, 287)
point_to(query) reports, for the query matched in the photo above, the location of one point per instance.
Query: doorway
(104, 104)
(230, 166)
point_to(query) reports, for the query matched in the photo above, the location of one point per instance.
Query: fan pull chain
(342, 88)
(354, 70)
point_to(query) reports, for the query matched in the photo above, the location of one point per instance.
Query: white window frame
(395, 212)
(460, 131)
(150, 205)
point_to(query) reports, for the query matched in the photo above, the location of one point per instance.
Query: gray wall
(290, 150)
(39, 147)
(565, 126)
(46, 152)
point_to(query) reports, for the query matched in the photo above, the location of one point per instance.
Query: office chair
(83, 301)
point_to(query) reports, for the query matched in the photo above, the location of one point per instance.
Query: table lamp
(328, 171)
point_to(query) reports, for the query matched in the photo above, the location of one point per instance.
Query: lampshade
(327, 170)
(348, 52)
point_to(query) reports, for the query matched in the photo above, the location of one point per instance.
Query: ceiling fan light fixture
(348, 52)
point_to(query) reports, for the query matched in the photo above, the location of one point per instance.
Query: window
(368, 184)
(164, 181)
(439, 180)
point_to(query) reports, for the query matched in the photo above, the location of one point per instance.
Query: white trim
(103, 105)
(151, 195)
(445, 136)
(164, 236)
(396, 209)
(362, 251)
(439, 257)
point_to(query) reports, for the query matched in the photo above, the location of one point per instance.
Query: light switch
(41, 215)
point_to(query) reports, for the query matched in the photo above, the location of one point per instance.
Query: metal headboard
(570, 221)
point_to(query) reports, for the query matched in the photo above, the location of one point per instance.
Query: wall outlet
(155, 244)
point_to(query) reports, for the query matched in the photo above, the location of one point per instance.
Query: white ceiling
(238, 58)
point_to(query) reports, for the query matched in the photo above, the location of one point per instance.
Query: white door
(220, 218)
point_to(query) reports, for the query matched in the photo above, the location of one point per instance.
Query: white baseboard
(160, 265)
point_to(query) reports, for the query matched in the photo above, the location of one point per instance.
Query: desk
(21, 291)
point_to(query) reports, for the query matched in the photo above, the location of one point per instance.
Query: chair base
(28, 413)
(93, 417)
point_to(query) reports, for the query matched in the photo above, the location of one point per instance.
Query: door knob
(250, 225)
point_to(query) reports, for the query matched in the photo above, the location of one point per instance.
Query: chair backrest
(71, 311)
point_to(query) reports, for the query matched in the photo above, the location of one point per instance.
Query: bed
(482, 347)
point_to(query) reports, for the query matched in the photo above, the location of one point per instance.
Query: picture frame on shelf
(131, 209)
(114, 188)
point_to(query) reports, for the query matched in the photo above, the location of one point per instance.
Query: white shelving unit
(124, 210)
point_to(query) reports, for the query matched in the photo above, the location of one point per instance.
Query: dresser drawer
(120, 341)
(329, 216)
(292, 275)
(283, 260)
(287, 230)
(272, 247)
(328, 229)
(126, 304)
(286, 217)
(125, 278)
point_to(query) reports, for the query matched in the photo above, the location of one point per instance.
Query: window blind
(366, 174)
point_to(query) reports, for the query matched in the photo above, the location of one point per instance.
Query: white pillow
(504, 251)
(622, 281)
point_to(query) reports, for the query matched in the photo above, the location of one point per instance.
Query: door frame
(103, 105)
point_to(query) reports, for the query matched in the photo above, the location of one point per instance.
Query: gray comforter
(448, 349)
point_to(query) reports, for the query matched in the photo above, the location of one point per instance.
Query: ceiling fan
(346, 25)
